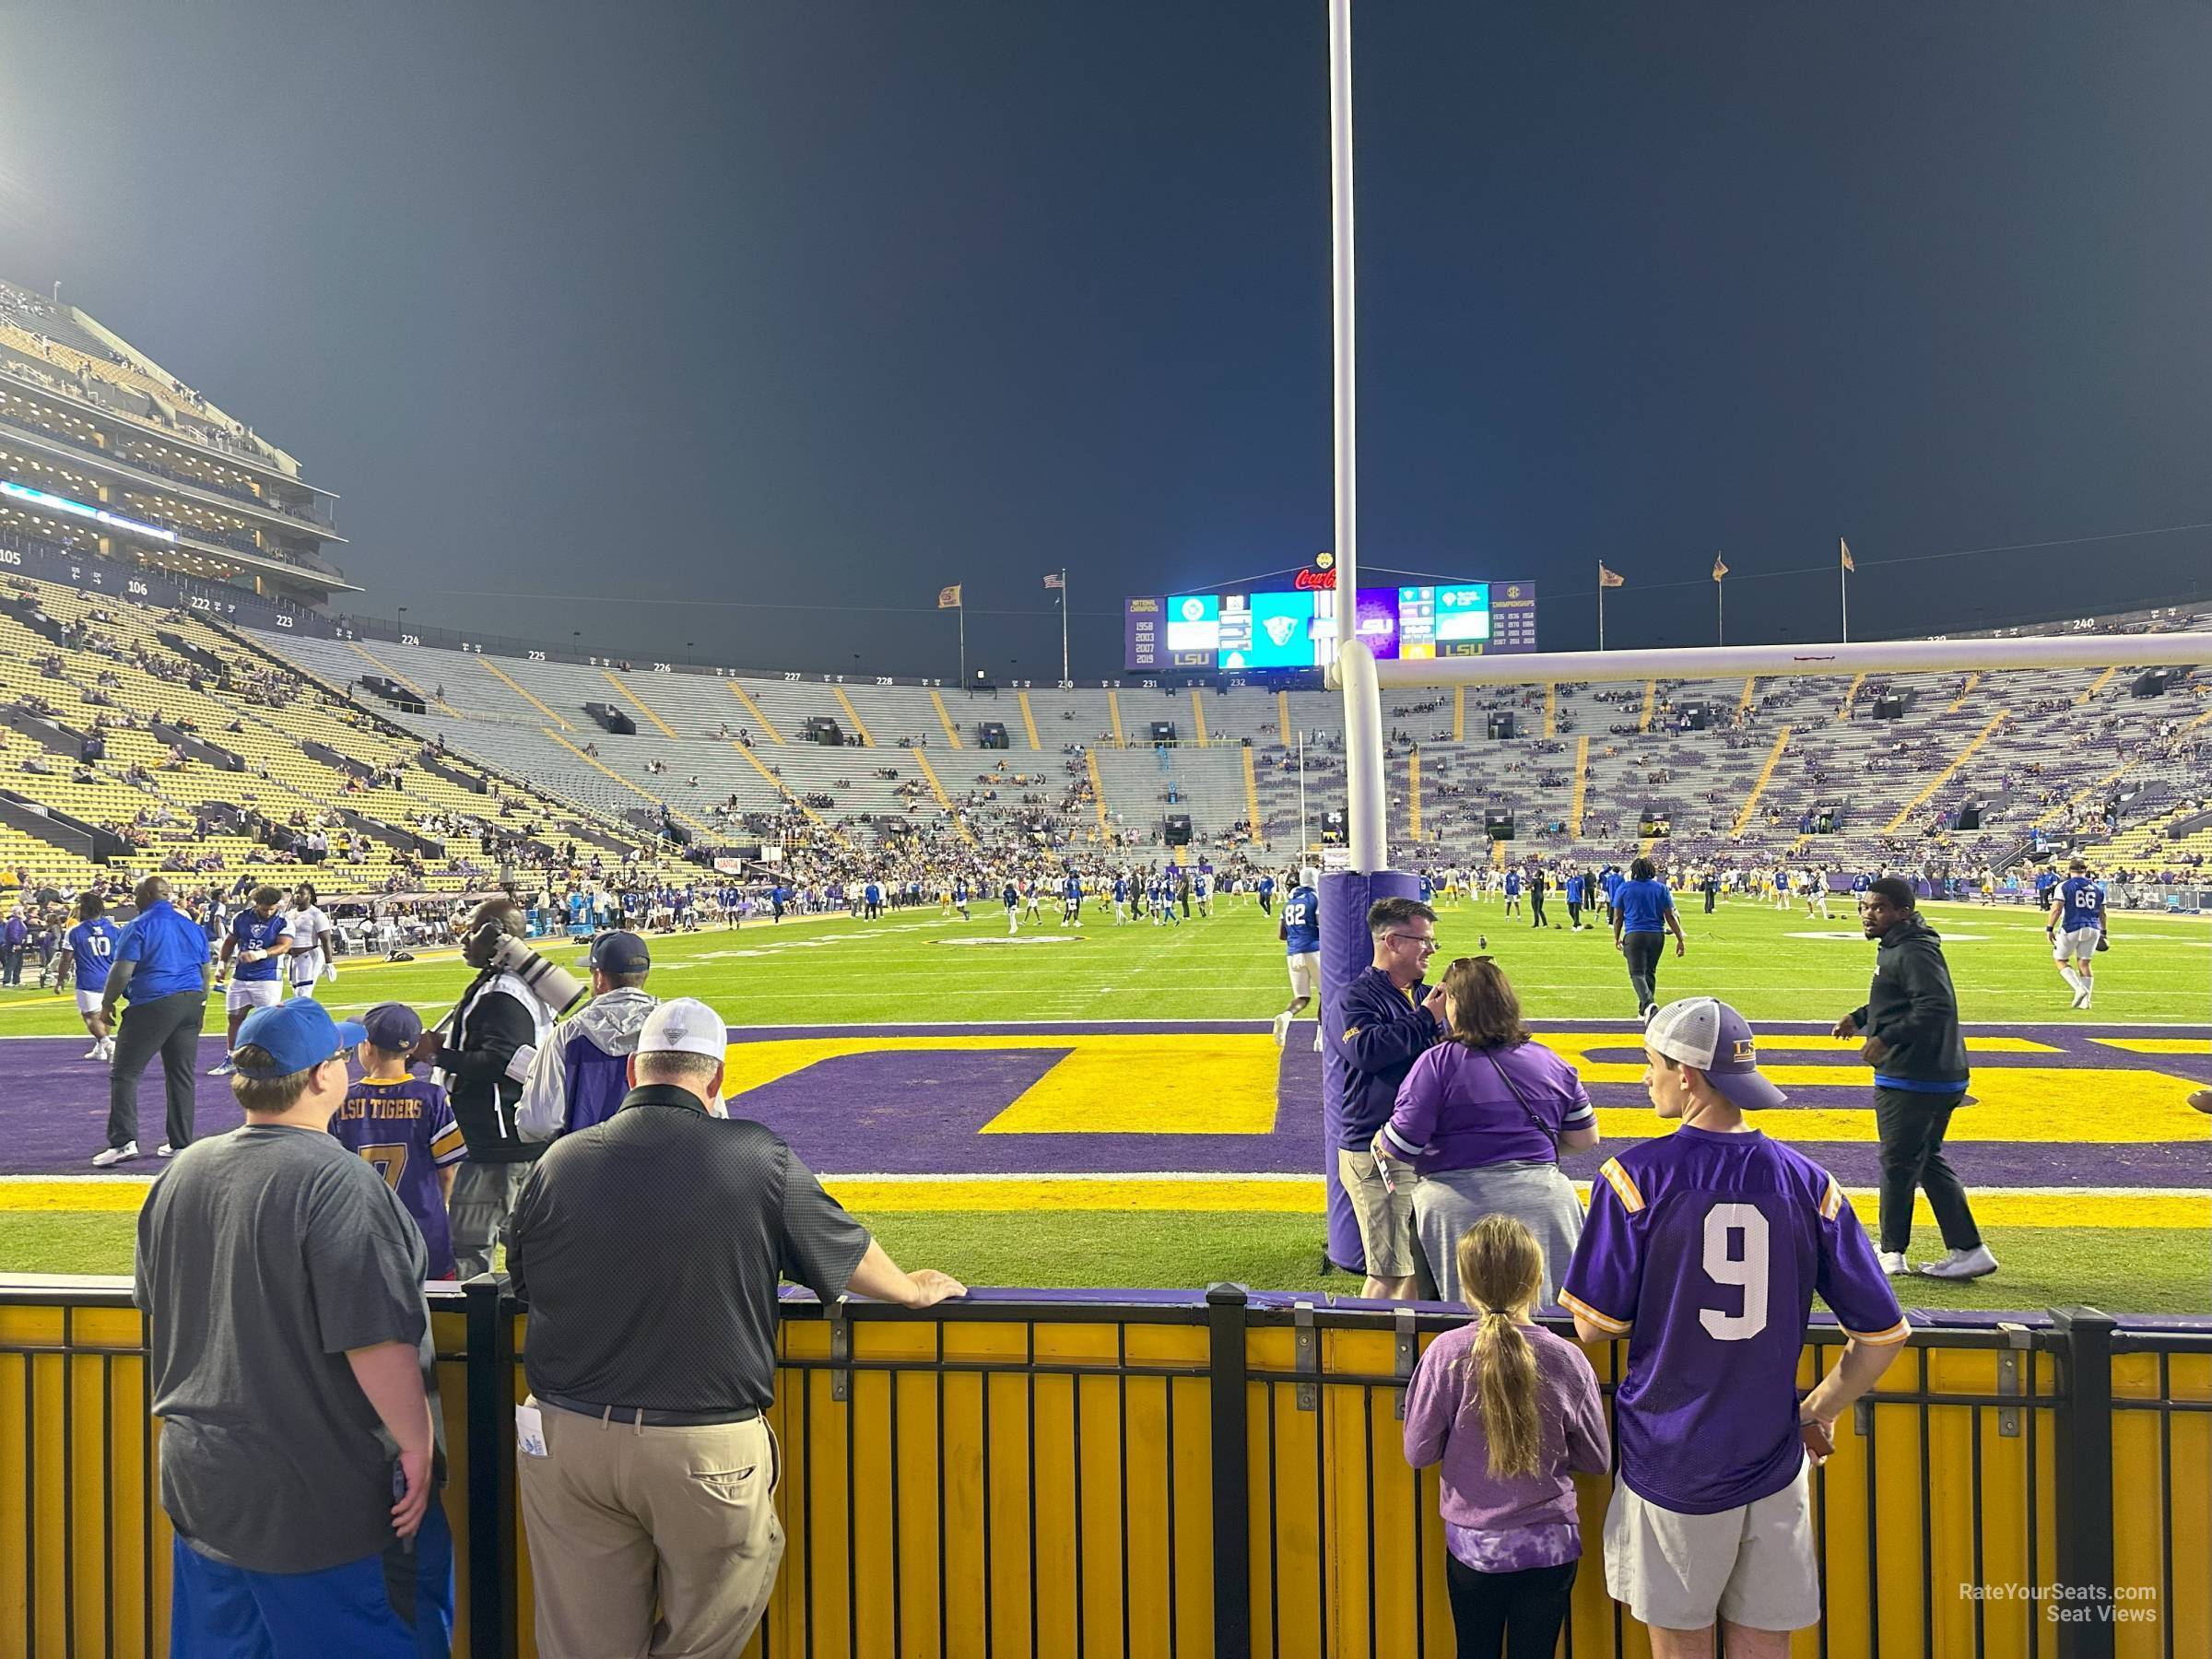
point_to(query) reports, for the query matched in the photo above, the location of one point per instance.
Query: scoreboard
(1237, 632)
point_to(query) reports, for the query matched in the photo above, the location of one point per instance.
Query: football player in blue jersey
(1299, 930)
(2076, 926)
(89, 949)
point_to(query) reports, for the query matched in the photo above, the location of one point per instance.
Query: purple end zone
(922, 1111)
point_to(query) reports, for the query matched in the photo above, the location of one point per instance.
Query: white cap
(1707, 1033)
(684, 1025)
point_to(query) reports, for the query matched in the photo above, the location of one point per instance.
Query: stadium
(1001, 960)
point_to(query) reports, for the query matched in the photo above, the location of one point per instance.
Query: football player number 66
(1749, 1271)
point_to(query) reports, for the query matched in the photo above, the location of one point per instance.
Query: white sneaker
(221, 1068)
(1894, 1263)
(1962, 1265)
(2087, 998)
(115, 1155)
(1282, 1027)
(107, 1049)
(163, 1150)
(1317, 1043)
(2080, 1000)
(97, 1052)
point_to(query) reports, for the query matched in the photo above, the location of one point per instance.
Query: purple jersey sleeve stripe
(1605, 1322)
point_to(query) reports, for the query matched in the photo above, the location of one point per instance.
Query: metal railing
(1030, 1474)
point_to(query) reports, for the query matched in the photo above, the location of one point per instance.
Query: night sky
(749, 325)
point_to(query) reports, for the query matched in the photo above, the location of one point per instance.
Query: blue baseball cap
(393, 1026)
(296, 1034)
(620, 952)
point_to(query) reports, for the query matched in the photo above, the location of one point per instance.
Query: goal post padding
(1346, 953)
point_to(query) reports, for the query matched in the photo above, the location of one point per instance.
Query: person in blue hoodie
(579, 1076)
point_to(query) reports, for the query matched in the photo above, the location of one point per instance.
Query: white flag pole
(1063, 674)
(1843, 590)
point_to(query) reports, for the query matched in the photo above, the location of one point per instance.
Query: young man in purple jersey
(1704, 1248)
(403, 1125)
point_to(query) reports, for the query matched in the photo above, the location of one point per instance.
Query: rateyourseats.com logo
(2075, 1604)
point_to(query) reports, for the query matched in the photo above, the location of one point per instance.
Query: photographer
(484, 1048)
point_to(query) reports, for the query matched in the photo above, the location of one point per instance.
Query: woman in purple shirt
(1508, 1410)
(1481, 1118)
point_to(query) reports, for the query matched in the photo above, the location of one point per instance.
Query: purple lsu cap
(393, 1026)
(295, 1035)
(1707, 1033)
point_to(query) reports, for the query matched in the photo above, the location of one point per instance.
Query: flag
(1846, 547)
(1719, 569)
(949, 598)
(1052, 579)
(1606, 579)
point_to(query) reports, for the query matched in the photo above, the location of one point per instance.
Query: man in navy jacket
(1390, 1019)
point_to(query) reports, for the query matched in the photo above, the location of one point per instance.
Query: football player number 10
(1748, 1271)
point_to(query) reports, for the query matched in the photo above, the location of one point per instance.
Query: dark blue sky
(725, 307)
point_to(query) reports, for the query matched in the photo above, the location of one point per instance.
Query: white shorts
(2075, 944)
(88, 1002)
(251, 993)
(303, 967)
(1305, 973)
(1754, 1565)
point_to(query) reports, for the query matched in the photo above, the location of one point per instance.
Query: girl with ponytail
(1510, 1411)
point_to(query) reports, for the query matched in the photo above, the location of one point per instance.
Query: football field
(1104, 1105)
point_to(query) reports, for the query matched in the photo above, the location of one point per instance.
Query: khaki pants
(619, 1518)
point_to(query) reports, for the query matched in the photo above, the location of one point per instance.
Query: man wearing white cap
(1703, 1248)
(650, 1248)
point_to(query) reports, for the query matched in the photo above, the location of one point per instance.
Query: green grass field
(1774, 966)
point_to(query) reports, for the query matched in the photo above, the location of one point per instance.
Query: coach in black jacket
(488, 1041)
(1911, 1026)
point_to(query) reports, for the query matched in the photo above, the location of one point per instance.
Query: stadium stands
(1735, 772)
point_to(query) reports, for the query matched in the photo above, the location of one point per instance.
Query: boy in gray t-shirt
(293, 1369)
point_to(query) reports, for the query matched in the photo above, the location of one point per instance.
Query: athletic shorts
(2075, 943)
(303, 967)
(1754, 1565)
(1305, 973)
(253, 993)
(1385, 1218)
(88, 1002)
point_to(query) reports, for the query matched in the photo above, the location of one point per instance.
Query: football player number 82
(1746, 1270)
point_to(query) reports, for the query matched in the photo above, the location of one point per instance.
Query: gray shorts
(1755, 1565)
(1385, 1218)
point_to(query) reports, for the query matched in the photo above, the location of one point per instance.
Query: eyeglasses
(1419, 941)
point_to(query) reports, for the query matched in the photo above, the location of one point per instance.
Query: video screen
(1235, 632)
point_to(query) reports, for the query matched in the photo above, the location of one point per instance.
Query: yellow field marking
(929, 775)
(1029, 718)
(638, 704)
(1222, 1195)
(1413, 792)
(952, 733)
(1551, 707)
(521, 691)
(393, 674)
(1850, 697)
(2159, 1045)
(1198, 715)
(1577, 1044)
(1943, 777)
(2015, 1103)
(1651, 701)
(1251, 796)
(1282, 714)
(1113, 713)
(1759, 785)
(1092, 1090)
(752, 708)
(867, 738)
(1581, 785)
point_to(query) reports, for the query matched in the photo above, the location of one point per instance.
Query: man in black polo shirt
(650, 1248)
